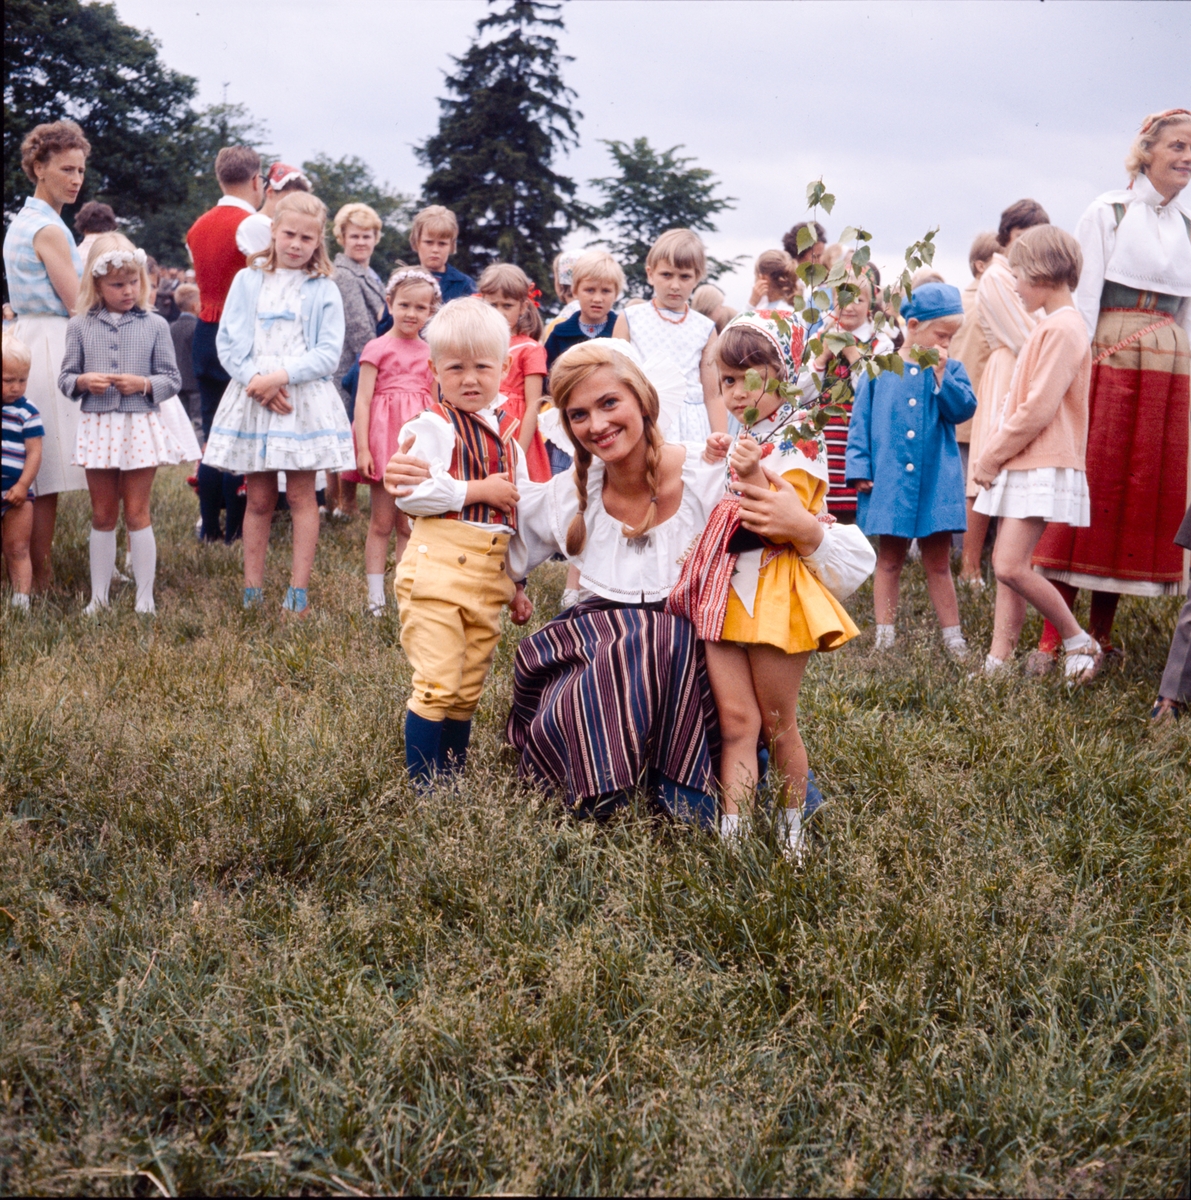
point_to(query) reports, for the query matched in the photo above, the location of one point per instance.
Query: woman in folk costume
(1135, 297)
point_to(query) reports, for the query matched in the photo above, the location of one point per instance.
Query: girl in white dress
(280, 339)
(119, 361)
(668, 327)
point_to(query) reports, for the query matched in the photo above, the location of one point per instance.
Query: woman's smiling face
(605, 416)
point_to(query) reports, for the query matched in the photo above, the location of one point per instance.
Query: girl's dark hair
(790, 240)
(95, 217)
(1025, 214)
(741, 349)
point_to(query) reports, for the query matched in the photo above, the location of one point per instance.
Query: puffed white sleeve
(704, 483)
(1096, 233)
(434, 441)
(843, 560)
(544, 513)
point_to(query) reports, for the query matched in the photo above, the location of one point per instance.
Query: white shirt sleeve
(1095, 232)
(254, 234)
(843, 560)
(434, 441)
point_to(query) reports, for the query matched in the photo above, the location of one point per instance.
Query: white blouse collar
(1152, 247)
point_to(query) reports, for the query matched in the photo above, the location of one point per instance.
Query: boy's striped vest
(479, 453)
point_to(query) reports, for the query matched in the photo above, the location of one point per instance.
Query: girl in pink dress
(395, 385)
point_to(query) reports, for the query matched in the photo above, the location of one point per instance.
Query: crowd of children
(436, 391)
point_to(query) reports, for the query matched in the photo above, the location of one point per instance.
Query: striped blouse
(30, 291)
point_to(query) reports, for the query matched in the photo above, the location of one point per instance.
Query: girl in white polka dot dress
(120, 363)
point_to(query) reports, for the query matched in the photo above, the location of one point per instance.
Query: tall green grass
(242, 956)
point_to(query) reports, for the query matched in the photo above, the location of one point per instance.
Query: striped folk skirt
(1137, 464)
(607, 699)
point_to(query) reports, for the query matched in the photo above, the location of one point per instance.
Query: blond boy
(22, 437)
(455, 577)
(597, 283)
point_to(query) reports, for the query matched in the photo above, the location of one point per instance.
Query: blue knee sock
(452, 749)
(422, 740)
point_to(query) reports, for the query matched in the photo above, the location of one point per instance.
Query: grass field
(241, 956)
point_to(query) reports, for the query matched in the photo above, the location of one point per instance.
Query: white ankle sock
(103, 561)
(789, 832)
(20, 600)
(142, 553)
(729, 825)
(953, 633)
(1078, 643)
(376, 590)
(886, 636)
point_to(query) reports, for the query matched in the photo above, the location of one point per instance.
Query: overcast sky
(916, 114)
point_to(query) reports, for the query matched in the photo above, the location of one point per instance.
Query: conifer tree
(651, 192)
(491, 161)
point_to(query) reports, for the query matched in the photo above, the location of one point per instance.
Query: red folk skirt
(1138, 412)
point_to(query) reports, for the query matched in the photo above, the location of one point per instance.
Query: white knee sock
(376, 591)
(142, 550)
(103, 561)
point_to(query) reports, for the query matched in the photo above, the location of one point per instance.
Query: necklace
(670, 320)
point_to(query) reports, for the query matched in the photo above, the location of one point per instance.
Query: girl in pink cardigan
(1031, 469)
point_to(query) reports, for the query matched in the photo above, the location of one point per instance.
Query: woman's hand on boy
(405, 471)
(717, 449)
(521, 606)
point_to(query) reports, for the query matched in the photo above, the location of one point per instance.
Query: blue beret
(934, 300)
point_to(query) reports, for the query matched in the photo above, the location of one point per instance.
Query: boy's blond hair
(468, 328)
(16, 353)
(186, 297)
(1049, 255)
(682, 248)
(305, 205)
(89, 296)
(434, 218)
(362, 216)
(600, 266)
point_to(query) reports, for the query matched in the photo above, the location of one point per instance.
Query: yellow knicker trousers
(451, 585)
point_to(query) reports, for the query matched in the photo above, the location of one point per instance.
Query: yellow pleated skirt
(792, 610)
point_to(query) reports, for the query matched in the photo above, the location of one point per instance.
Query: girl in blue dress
(903, 460)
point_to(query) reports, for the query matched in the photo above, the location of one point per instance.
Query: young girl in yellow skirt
(759, 606)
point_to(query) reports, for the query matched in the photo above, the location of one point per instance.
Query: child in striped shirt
(20, 459)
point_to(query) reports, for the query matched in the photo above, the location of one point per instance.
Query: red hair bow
(535, 294)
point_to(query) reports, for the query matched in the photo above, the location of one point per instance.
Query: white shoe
(731, 828)
(885, 639)
(96, 606)
(957, 648)
(377, 610)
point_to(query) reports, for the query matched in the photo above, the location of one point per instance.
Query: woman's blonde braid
(577, 530)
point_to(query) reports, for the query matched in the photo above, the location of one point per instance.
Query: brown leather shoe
(1040, 663)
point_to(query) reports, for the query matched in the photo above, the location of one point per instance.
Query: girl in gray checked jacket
(119, 362)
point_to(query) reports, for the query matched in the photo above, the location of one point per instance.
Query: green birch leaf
(848, 234)
(827, 200)
(804, 238)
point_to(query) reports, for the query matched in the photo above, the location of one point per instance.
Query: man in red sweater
(212, 244)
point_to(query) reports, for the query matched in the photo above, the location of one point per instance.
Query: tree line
(506, 120)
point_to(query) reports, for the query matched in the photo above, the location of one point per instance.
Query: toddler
(453, 578)
(507, 289)
(280, 339)
(1031, 467)
(20, 460)
(119, 361)
(396, 384)
(758, 606)
(668, 327)
(903, 460)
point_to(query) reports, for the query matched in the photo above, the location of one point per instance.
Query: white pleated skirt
(1058, 495)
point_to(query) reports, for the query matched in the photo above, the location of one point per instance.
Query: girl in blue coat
(280, 339)
(903, 460)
